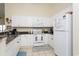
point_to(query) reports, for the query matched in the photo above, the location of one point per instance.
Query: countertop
(21, 33)
(10, 38)
(2, 36)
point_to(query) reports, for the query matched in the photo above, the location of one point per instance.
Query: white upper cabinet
(48, 22)
(30, 21)
(21, 21)
(42, 22)
(38, 22)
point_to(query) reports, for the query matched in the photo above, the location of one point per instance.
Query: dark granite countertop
(2, 36)
(10, 38)
(20, 33)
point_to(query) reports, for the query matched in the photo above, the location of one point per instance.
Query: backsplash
(33, 30)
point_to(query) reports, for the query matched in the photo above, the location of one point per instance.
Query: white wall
(38, 9)
(25, 9)
(76, 29)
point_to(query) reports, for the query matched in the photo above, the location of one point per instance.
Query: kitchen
(32, 29)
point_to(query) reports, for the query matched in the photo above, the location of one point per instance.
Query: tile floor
(44, 50)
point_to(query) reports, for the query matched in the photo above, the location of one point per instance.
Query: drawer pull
(17, 41)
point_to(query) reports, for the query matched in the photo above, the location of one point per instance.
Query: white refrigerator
(62, 35)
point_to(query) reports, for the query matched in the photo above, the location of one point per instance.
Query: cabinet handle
(52, 38)
(35, 38)
(17, 41)
(41, 38)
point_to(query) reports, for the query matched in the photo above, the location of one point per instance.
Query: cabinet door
(17, 44)
(50, 41)
(21, 21)
(26, 40)
(17, 21)
(37, 22)
(12, 48)
(14, 22)
(45, 38)
(23, 40)
(29, 40)
(3, 47)
(46, 22)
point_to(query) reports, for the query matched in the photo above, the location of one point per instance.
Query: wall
(13, 9)
(2, 21)
(76, 29)
(2, 13)
(2, 9)
(27, 9)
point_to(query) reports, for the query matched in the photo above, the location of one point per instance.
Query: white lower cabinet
(26, 40)
(36, 39)
(23, 40)
(3, 46)
(12, 48)
(45, 38)
(50, 40)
